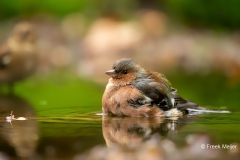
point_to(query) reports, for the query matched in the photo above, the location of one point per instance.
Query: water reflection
(154, 138)
(17, 138)
(132, 132)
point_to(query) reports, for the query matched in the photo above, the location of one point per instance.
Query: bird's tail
(189, 107)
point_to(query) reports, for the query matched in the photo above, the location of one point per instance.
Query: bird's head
(124, 71)
(23, 32)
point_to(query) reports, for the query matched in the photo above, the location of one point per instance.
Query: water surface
(63, 123)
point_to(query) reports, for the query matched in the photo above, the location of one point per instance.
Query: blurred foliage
(28, 7)
(57, 97)
(62, 8)
(213, 91)
(198, 13)
(204, 13)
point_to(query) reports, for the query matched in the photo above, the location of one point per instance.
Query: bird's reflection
(132, 132)
(17, 138)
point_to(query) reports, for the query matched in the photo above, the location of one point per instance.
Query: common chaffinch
(135, 92)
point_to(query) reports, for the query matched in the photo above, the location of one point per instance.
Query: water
(66, 138)
(63, 122)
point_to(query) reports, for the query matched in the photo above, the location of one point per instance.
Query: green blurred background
(199, 13)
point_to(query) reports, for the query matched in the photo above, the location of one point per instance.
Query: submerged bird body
(18, 56)
(133, 91)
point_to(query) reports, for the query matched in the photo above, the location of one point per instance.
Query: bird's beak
(111, 73)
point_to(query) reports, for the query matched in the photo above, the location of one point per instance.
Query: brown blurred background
(88, 36)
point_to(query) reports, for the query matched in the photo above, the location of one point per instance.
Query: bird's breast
(119, 94)
(119, 100)
(109, 86)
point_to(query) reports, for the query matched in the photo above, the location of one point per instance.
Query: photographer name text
(219, 146)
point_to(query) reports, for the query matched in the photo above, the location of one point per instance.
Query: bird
(18, 57)
(133, 91)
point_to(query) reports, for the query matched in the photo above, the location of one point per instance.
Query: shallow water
(64, 123)
(69, 137)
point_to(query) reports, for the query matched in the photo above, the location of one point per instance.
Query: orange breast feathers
(127, 101)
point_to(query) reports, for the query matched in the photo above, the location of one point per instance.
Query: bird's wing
(156, 87)
(163, 79)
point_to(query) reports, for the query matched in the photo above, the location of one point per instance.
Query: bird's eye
(124, 72)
